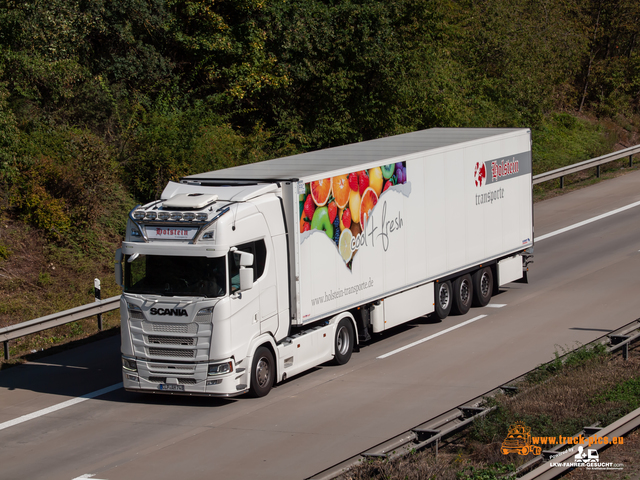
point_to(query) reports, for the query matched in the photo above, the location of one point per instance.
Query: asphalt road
(583, 284)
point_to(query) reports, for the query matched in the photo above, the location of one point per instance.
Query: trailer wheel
(343, 342)
(482, 287)
(444, 299)
(262, 372)
(462, 294)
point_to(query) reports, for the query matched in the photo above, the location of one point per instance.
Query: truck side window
(259, 251)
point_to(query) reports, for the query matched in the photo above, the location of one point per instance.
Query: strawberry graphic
(333, 211)
(346, 218)
(309, 207)
(353, 181)
(363, 181)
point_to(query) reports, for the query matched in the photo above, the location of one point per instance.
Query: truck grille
(171, 340)
(170, 352)
(189, 328)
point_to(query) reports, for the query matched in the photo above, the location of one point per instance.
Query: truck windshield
(175, 276)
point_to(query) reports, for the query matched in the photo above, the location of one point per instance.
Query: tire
(443, 299)
(263, 372)
(343, 342)
(462, 294)
(482, 281)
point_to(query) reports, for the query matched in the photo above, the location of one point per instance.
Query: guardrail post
(598, 171)
(561, 182)
(96, 285)
(6, 349)
(625, 351)
(630, 161)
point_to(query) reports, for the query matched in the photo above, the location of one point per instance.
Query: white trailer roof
(317, 163)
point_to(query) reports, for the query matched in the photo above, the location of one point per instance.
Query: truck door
(244, 306)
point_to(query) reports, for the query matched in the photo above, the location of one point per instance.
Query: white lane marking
(59, 406)
(87, 475)
(585, 222)
(430, 337)
(496, 305)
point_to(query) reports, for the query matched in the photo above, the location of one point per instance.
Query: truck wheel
(262, 372)
(343, 342)
(444, 299)
(482, 287)
(462, 294)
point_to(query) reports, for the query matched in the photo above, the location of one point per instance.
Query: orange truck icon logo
(519, 441)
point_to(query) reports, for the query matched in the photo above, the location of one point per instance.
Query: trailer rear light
(129, 364)
(220, 368)
(202, 217)
(151, 215)
(176, 215)
(138, 214)
(164, 215)
(189, 216)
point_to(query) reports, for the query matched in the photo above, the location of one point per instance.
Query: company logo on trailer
(480, 174)
(504, 168)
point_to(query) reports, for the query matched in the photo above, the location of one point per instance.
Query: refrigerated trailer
(237, 279)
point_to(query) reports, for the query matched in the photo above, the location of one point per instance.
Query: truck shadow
(88, 368)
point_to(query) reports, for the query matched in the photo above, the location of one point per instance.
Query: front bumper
(184, 379)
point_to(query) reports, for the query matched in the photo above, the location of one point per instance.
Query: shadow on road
(86, 369)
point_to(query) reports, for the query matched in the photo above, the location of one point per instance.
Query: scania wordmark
(240, 278)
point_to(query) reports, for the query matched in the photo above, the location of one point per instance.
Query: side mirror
(118, 267)
(246, 278)
(246, 259)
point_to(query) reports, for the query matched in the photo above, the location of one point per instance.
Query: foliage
(627, 392)
(496, 471)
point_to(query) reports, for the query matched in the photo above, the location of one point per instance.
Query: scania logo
(172, 312)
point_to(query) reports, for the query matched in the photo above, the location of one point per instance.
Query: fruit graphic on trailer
(345, 218)
(387, 170)
(341, 190)
(305, 226)
(376, 179)
(320, 191)
(363, 181)
(333, 210)
(344, 244)
(309, 207)
(354, 206)
(369, 200)
(321, 221)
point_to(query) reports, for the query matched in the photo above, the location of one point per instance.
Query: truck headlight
(129, 364)
(220, 368)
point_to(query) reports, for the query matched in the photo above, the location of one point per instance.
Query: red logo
(480, 174)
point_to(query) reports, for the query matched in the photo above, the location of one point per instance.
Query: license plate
(171, 388)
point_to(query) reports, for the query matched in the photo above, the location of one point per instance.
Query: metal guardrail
(594, 162)
(43, 323)
(432, 432)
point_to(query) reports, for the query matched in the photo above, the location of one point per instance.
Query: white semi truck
(238, 279)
